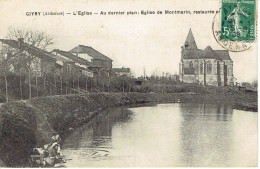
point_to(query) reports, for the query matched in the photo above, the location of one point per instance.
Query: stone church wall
(197, 76)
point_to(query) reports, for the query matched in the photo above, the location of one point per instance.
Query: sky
(150, 42)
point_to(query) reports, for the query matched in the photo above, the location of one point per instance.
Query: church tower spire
(190, 42)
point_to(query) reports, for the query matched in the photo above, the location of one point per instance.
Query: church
(205, 67)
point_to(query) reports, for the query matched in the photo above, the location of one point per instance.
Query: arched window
(191, 64)
(209, 67)
(201, 67)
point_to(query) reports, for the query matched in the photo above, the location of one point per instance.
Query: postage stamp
(238, 20)
(234, 25)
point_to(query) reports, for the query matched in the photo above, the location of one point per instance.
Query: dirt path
(44, 129)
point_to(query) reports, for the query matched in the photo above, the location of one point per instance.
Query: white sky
(138, 41)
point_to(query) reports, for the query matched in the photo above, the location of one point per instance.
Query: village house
(72, 65)
(99, 61)
(42, 63)
(59, 63)
(205, 67)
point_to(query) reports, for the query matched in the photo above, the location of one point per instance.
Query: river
(166, 135)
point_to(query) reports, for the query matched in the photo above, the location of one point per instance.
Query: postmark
(234, 26)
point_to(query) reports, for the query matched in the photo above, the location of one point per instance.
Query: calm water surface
(166, 135)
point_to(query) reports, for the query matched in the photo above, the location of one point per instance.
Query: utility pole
(144, 79)
(21, 88)
(50, 87)
(78, 81)
(73, 83)
(6, 88)
(44, 84)
(36, 86)
(55, 86)
(66, 83)
(123, 85)
(70, 85)
(61, 84)
(86, 83)
(144, 73)
(91, 85)
(108, 82)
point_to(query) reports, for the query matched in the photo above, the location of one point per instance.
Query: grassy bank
(26, 124)
(241, 101)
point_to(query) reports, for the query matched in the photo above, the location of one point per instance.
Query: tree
(255, 84)
(4, 70)
(32, 38)
(20, 69)
(6, 59)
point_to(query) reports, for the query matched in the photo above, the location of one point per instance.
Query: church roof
(207, 53)
(224, 55)
(190, 41)
(191, 51)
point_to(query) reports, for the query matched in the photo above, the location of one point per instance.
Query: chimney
(20, 42)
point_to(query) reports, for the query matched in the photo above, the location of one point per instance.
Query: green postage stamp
(238, 20)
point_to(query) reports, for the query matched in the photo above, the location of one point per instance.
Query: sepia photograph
(128, 83)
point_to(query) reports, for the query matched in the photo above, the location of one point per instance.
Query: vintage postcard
(128, 83)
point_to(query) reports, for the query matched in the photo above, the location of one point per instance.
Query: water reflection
(98, 132)
(206, 134)
(166, 135)
(220, 112)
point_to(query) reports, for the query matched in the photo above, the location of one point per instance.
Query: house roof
(207, 53)
(59, 58)
(90, 51)
(58, 65)
(72, 57)
(10, 42)
(29, 48)
(123, 70)
(190, 41)
(80, 67)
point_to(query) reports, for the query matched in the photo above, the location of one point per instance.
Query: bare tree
(32, 38)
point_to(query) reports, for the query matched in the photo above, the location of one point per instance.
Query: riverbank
(240, 101)
(30, 123)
